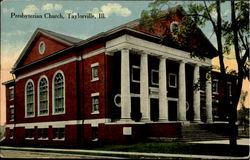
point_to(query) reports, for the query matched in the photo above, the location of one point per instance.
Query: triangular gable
(198, 41)
(54, 42)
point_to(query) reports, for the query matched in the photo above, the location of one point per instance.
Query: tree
(229, 32)
(243, 113)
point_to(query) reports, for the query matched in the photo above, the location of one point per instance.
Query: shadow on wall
(2, 133)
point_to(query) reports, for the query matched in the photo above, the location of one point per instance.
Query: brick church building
(118, 86)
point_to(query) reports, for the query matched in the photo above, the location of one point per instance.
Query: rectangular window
(215, 86)
(95, 103)
(58, 133)
(135, 74)
(155, 77)
(11, 113)
(43, 133)
(11, 133)
(94, 133)
(94, 71)
(172, 80)
(11, 89)
(29, 133)
(229, 84)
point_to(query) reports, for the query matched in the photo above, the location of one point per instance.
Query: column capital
(182, 61)
(161, 57)
(197, 65)
(125, 48)
(144, 53)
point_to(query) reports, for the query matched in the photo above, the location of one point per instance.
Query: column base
(185, 123)
(209, 121)
(196, 121)
(162, 120)
(145, 120)
(125, 120)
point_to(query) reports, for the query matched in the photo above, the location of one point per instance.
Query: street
(43, 155)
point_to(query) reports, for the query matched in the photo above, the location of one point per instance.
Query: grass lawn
(180, 148)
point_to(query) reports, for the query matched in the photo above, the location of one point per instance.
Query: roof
(69, 39)
(10, 82)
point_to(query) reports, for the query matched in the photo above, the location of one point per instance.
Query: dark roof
(61, 36)
(9, 83)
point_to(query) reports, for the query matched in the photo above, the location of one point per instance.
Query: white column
(182, 93)
(163, 104)
(209, 100)
(125, 86)
(145, 107)
(196, 94)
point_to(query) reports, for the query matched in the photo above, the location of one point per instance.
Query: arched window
(174, 27)
(43, 97)
(29, 99)
(58, 93)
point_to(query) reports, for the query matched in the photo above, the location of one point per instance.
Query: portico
(163, 54)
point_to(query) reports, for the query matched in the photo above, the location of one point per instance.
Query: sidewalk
(241, 141)
(114, 153)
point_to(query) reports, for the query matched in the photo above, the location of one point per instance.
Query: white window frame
(96, 138)
(11, 88)
(57, 139)
(132, 76)
(93, 95)
(11, 136)
(38, 96)
(169, 83)
(39, 47)
(10, 107)
(217, 86)
(229, 88)
(53, 93)
(25, 93)
(29, 138)
(94, 65)
(42, 137)
(152, 82)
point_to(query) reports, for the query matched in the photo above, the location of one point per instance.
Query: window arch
(43, 96)
(58, 93)
(174, 26)
(29, 99)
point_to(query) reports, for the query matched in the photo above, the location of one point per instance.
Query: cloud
(112, 8)
(68, 11)
(115, 8)
(6, 10)
(30, 9)
(14, 33)
(50, 6)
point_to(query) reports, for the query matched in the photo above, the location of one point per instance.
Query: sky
(15, 32)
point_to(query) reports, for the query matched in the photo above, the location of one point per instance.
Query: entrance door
(172, 110)
(154, 109)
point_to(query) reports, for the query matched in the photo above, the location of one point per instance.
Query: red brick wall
(69, 71)
(51, 46)
(94, 87)
(163, 130)
(113, 134)
(87, 133)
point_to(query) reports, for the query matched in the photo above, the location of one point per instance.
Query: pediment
(43, 43)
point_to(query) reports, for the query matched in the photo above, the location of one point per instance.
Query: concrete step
(198, 132)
